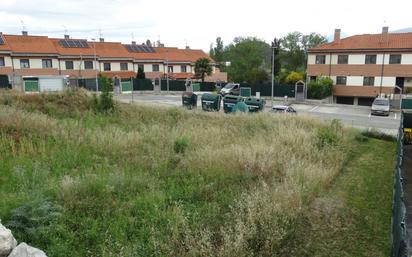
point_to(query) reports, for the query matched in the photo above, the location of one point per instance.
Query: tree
(250, 60)
(294, 77)
(294, 47)
(140, 74)
(148, 43)
(217, 52)
(202, 68)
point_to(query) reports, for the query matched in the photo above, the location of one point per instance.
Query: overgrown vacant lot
(146, 181)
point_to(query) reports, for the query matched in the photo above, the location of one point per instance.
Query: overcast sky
(198, 23)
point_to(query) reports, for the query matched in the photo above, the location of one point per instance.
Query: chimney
(187, 47)
(385, 30)
(66, 36)
(24, 33)
(133, 42)
(101, 39)
(336, 37)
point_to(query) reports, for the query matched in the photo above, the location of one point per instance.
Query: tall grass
(150, 181)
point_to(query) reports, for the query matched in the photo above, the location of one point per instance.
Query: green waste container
(189, 100)
(211, 102)
(255, 104)
(230, 101)
(240, 107)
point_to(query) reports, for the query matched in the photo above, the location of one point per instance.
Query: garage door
(365, 101)
(31, 85)
(51, 84)
(344, 100)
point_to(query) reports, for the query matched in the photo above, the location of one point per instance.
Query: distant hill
(405, 30)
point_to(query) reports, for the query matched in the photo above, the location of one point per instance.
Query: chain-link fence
(399, 236)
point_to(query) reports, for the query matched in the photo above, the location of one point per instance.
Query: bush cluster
(320, 88)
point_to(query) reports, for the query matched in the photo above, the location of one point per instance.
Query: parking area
(355, 116)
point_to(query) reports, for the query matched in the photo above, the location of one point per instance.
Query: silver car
(283, 109)
(380, 106)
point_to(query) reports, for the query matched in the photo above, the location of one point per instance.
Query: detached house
(364, 66)
(25, 55)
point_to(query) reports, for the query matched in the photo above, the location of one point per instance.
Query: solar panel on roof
(139, 48)
(1, 40)
(73, 43)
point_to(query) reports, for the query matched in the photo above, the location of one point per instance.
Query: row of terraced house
(364, 66)
(26, 55)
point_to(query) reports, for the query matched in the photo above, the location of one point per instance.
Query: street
(354, 116)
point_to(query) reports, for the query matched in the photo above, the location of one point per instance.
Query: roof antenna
(24, 31)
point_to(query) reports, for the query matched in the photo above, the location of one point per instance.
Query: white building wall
(115, 66)
(406, 59)
(311, 58)
(408, 82)
(7, 61)
(334, 58)
(356, 59)
(55, 63)
(354, 81)
(386, 81)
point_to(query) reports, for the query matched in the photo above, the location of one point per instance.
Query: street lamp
(274, 47)
(95, 64)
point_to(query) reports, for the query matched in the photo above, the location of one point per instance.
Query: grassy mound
(146, 181)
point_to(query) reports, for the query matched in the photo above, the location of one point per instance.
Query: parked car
(230, 89)
(283, 109)
(380, 106)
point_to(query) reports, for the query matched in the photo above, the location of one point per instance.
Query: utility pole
(274, 47)
(167, 67)
(95, 61)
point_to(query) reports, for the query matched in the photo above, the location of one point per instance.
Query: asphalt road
(355, 116)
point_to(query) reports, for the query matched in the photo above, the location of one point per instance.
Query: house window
(88, 65)
(341, 80)
(170, 69)
(183, 68)
(368, 81)
(370, 59)
(320, 59)
(124, 66)
(395, 59)
(107, 66)
(155, 67)
(69, 65)
(140, 66)
(312, 78)
(343, 59)
(2, 61)
(47, 63)
(24, 63)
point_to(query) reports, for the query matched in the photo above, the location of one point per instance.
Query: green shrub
(320, 88)
(180, 145)
(104, 103)
(378, 135)
(330, 135)
(31, 220)
(7, 100)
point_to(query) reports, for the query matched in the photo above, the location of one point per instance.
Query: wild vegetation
(148, 181)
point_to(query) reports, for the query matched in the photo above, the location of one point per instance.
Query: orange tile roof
(5, 46)
(30, 44)
(173, 54)
(111, 50)
(45, 45)
(392, 41)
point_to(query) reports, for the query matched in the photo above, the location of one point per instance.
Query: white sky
(200, 22)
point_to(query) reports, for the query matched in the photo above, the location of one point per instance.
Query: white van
(380, 106)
